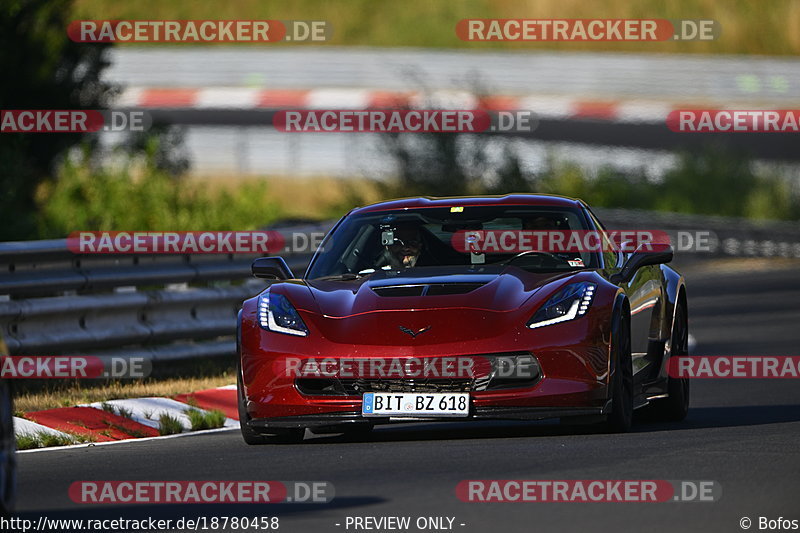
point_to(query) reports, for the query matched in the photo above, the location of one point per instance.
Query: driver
(538, 223)
(542, 223)
(407, 247)
(550, 223)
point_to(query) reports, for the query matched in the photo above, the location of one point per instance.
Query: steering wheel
(530, 253)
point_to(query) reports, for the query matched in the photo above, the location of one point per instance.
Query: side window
(611, 258)
(356, 254)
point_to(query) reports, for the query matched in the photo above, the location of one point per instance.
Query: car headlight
(276, 313)
(568, 303)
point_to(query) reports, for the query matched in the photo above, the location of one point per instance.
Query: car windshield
(457, 237)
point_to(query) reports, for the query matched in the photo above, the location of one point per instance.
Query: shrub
(169, 425)
(137, 195)
(206, 419)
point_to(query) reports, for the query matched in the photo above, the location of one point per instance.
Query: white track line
(337, 99)
(227, 98)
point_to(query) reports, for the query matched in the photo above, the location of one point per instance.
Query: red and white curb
(23, 427)
(134, 418)
(148, 411)
(545, 106)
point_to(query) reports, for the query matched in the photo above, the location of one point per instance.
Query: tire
(8, 446)
(252, 437)
(620, 419)
(675, 407)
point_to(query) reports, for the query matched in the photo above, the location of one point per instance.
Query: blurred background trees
(43, 69)
(52, 184)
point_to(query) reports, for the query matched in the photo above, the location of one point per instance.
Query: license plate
(413, 404)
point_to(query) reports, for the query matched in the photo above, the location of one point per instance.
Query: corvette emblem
(412, 332)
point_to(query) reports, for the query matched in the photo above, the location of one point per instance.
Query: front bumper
(566, 383)
(573, 358)
(345, 419)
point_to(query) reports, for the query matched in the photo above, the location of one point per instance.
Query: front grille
(358, 386)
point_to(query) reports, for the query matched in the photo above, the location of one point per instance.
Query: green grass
(41, 439)
(134, 197)
(169, 425)
(747, 27)
(135, 433)
(205, 419)
(712, 183)
(116, 410)
(30, 441)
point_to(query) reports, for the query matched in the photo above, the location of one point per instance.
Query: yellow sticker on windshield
(457, 209)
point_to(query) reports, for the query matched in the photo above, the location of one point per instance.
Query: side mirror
(645, 255)
(271, 268)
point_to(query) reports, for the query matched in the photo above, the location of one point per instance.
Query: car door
(645, 295)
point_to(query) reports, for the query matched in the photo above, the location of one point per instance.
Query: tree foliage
(43, 69)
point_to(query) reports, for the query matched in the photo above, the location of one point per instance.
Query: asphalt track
(741, 433)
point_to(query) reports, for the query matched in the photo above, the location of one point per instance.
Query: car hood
(491, 296)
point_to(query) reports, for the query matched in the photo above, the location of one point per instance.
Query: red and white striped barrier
(249, 98)
(132, 418)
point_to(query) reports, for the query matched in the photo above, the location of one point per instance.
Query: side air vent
(432, 289)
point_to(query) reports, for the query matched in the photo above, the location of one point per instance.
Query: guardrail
(161, 307)
(182, 306)
(590, 130)
(723, 236)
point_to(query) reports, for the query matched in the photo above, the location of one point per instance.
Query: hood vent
(428, 289)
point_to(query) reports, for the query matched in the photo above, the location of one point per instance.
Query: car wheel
(251, 436)
(620, 418)
(8, 461)
(675, 406)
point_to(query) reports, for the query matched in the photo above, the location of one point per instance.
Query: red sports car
(512, 307)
